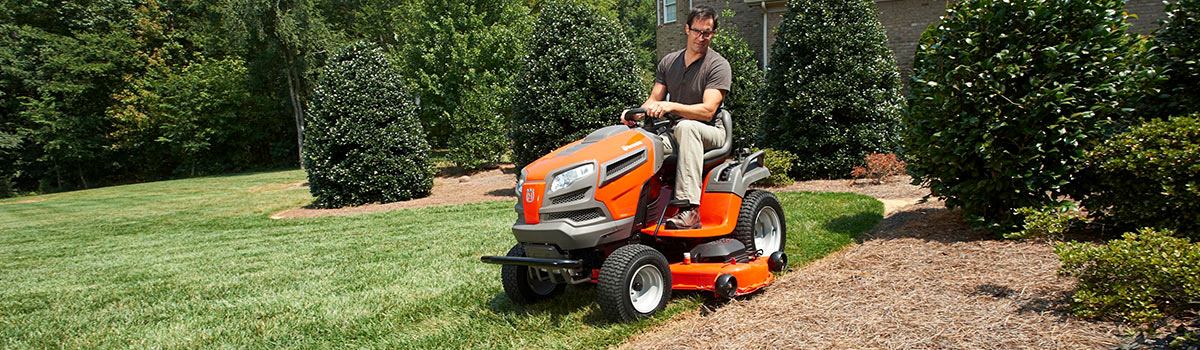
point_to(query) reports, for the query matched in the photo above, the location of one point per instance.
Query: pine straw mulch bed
(920, 280)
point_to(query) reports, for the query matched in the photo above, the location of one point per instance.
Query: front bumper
(570, 237)
(533, 262)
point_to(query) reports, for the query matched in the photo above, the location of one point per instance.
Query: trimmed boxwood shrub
(363, 142)
(832, 93)
(579, 74)
(1006, 95)
(1179, 40)
(1140, 278)
(1149, 176)
(742, 99)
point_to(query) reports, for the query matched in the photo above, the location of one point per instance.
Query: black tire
(521, 287)
(616, 288)
(753, 207)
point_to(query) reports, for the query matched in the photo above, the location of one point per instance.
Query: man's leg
(694, 138)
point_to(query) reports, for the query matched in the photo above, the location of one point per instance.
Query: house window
(669, 11)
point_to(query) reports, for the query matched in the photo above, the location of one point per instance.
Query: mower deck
(750, 275)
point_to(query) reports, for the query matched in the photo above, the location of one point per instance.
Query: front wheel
(635, 282)
(761, 225)
(525, 285)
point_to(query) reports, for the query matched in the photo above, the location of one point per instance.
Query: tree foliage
(452, 51)
(832, 92)
(364, 142)
(579, 74)
(1006, 95)
(1179, 40)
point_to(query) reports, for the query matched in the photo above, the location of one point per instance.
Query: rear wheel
(635, 282)
(761, 225)
(525, 285)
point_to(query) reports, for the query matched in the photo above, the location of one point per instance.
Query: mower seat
(717, 155)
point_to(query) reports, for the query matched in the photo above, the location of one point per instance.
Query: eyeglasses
(704, 33)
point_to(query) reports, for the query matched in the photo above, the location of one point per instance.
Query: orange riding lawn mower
(592, 212)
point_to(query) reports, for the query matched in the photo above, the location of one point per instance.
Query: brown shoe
(685, 219)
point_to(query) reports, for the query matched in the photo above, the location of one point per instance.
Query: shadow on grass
(583, 296)
(559, 308)
(852, 225)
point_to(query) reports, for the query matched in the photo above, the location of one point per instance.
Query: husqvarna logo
(529, 195)
(635, 144)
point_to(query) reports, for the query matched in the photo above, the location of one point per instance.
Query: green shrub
(832, 93)
(1149, 176)
(363, 142)
(742, 99)
(1048, 223)
(1179, 40)
(1006, 95)
(579, 73)
(1140, 278)
(779, 163)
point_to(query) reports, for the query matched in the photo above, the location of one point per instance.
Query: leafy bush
(1005, 96)
(1140, 278)
(452, 51)
(879, 167)
(1049, 222)
(779, 163)
(832, 93)
(742, 99)
(364, 143)
(578, 75)
(1149, 176)
(1179, 39)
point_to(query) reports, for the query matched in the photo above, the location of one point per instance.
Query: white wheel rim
(766, 231)
(646, 288)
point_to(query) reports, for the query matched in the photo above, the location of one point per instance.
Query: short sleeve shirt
(686, 84)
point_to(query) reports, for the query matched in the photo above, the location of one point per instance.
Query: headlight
(520, 182)
(568, 177)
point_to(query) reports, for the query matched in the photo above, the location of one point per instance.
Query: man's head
(701, 26)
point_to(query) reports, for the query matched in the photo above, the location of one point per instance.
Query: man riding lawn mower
(593, 212)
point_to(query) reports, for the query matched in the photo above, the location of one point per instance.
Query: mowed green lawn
(198, 263)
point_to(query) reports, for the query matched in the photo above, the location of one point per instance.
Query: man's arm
(657, 94)
(702, 111)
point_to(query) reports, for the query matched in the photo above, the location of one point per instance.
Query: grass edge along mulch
(197, 263)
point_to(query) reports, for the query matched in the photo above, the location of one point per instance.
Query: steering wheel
(672, 117)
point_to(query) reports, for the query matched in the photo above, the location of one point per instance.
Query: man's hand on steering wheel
(659, 109)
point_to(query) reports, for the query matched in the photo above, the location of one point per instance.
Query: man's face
(699, 34)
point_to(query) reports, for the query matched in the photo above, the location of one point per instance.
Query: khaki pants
(694, 138)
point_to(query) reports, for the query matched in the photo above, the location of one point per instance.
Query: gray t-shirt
(686, 84)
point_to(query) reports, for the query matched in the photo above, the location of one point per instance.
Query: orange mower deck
(751, 275)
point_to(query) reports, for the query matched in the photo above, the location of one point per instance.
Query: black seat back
(716, 155)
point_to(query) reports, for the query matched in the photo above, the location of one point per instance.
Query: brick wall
(904, 20)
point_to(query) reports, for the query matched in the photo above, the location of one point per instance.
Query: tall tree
(290, 35)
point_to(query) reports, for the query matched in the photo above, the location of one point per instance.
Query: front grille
(569, 197)
(575, 215)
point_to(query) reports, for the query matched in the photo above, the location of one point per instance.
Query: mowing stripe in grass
(197, 263)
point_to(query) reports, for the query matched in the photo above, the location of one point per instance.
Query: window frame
(673, 13)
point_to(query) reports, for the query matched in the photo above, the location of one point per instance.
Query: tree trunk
(297, 107)
(83, 180)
